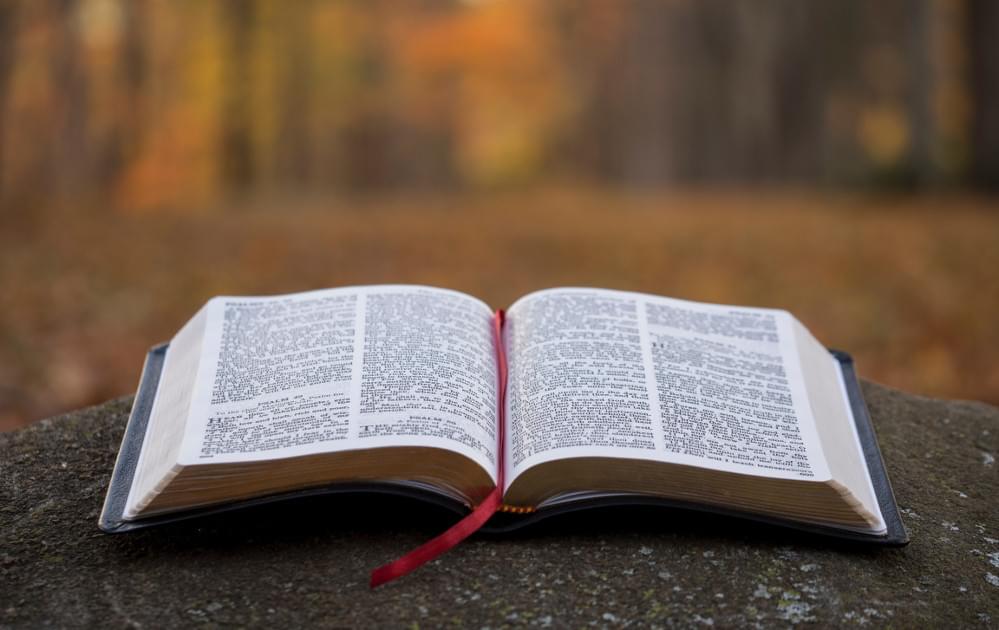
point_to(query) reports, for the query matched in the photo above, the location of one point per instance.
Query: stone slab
(307, 564)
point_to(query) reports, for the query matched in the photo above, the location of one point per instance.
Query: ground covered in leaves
(908, 285)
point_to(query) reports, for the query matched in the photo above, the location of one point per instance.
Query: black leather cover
(111, 520)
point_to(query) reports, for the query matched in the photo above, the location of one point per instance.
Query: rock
(307, 563)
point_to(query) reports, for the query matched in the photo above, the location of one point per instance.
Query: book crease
(477, 518)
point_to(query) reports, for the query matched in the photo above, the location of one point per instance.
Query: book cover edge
(131, 442)
(896, 533)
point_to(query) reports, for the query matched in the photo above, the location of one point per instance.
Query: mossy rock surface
(307, 563)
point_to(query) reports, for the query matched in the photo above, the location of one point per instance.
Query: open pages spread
(593, 373)
(598, 373)
(334, 370)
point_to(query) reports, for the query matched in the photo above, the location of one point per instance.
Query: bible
(571, 398)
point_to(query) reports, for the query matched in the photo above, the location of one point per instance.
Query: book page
(342, 369)
(597, 373)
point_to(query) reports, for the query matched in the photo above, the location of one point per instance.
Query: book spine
(516, 509)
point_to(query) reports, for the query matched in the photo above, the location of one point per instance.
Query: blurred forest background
(838, 158)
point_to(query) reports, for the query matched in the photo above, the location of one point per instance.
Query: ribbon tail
(439, 545)
(478, 517)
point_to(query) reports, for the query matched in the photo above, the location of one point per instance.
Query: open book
(610, 398)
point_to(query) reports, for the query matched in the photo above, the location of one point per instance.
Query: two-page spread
(610, 395)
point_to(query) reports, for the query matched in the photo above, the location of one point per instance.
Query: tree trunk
(236, 124)
(984, 29)
(8, 31)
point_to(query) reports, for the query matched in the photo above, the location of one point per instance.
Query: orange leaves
(490, 73)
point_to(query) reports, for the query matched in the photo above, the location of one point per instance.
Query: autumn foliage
(831, 158)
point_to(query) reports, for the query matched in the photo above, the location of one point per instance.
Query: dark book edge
(131, 441)
(896, 534)
(112, 521)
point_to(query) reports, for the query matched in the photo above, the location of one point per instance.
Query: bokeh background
(835, 158)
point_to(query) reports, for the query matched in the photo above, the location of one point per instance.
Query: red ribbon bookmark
(439, 545)
(482, 512)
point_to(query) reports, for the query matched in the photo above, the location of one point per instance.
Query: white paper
(343, 369)
(598, 373)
